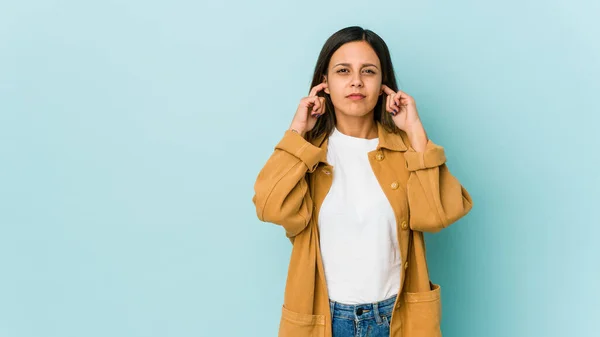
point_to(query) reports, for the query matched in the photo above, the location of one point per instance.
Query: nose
(356, 81)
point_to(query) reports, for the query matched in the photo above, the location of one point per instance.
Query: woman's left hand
(403, 109)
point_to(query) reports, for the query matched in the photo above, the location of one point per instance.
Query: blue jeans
(362, 320)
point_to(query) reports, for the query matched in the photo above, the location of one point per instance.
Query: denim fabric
(362, 320)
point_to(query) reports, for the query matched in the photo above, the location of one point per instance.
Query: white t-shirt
(357, 226)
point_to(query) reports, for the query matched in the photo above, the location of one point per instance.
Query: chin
(355, 113)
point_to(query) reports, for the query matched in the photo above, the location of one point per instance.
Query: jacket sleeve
(281, 193)
(436, 198)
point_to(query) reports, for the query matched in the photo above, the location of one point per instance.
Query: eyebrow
(348, 65)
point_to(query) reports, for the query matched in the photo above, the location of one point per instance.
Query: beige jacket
(425, 197)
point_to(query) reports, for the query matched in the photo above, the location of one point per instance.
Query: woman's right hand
(309, 109)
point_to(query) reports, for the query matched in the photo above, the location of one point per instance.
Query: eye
(344, 70)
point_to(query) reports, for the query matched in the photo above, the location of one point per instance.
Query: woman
(355, 182)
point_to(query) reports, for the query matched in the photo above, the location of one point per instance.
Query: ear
(326, 90)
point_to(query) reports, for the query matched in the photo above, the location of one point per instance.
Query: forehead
(356, 53)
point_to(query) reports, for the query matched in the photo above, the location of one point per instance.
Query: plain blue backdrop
(131, 134)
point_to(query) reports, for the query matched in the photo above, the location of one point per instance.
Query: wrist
(297, 130)
(417, 137)
(414, 128)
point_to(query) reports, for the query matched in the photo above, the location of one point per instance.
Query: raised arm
(436, 198)
(281, 193)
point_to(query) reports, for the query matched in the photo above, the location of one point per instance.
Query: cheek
(335, 88)
(336, 93)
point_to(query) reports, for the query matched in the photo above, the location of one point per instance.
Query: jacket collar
(388, 140)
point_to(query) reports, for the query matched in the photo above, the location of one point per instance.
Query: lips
(355, 97)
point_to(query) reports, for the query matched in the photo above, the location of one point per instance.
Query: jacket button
(404, 225)
(379, 156)
(395, 185)
(405, 264)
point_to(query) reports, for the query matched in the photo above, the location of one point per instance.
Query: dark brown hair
(326, 122)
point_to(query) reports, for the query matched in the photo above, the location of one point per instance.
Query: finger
(317, 88)
(314, 105)
(317, 105)
(309, 101)
(322, 107)
(397, 99)
(394, 106)
(387, 90)
(405, 96)
(305, 102)
(388, 105)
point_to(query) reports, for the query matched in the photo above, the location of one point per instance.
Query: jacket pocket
(422, 313)
(294, 324)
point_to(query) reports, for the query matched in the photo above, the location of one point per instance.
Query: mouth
(355, 96)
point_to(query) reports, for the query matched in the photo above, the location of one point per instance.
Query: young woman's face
(354, 68)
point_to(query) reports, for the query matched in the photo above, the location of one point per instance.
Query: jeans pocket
(386, 320)
(294, 324)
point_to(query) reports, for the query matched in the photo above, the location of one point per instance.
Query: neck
(359, 127)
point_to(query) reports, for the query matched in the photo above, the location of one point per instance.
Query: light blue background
(131, 133)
